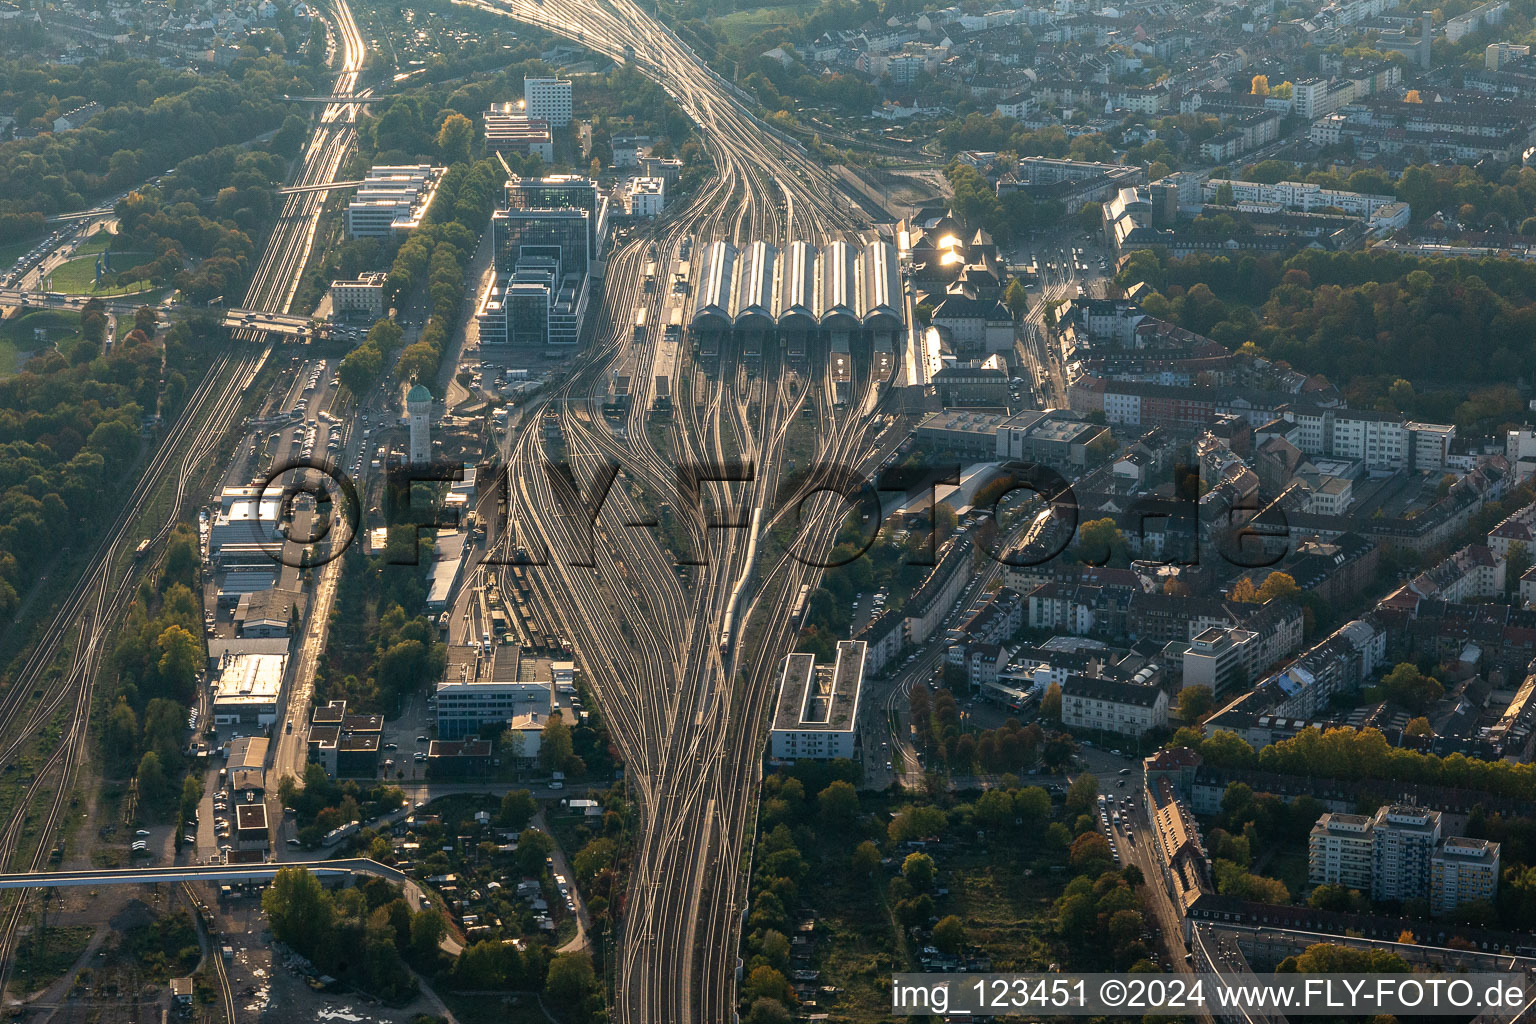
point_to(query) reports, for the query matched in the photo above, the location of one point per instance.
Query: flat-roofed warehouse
(817, 713)
(247, 690)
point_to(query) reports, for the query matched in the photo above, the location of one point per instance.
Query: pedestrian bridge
(199, 873)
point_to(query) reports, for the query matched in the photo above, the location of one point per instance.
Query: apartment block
(1339, 851)
(1404, 840)
(1463, 871)
(1109, 705)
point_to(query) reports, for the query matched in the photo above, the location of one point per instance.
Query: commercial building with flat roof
(510, 130)
(392, 200)
(1048, 437)
(247, 689)
(361, 298)
(487, 686)
(818, 708)
(251, 826)
(548, 99)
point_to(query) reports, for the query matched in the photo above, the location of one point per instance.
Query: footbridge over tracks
(263, 872)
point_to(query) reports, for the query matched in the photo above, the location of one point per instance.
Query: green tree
(1195, 702)
(1033, 804)
(181, 655)
(949, 935)
(299, 911)
(1278, 586)
(766, 1010)
(1050, 704)
(1017, 298)
(427, 931)
(555, 743)
(533, 846)
(866, 858)
(1090, 216)
(517, 809)
(570, 979)
(120, 737)
(1083, 792)
(994, 809)
(454, 138)
(1100, 542)
(1326, 958)
(766, 983)
(151, 776)
(1405, 685)
(839, 803)
(1090, 854)
(918, 870)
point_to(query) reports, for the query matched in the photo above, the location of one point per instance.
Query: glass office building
(562, 234)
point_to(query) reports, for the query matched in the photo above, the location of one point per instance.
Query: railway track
(93, 604)
(687, 716)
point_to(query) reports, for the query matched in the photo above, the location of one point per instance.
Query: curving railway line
(687, 711)
(89, 611)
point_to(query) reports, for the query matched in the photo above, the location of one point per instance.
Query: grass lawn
(740, 26)
(16, 335)
(96, 243)
(78, 277)
(8, 359)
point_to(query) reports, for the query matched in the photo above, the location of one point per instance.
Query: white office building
(548, 100)
(646, 196)
(818, 708)
(487, 686)
(392, 200)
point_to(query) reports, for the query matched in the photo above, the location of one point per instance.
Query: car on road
(422, 739)
(293, 842)
(142, 832)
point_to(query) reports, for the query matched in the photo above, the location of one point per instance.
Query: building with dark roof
(1111, 705)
